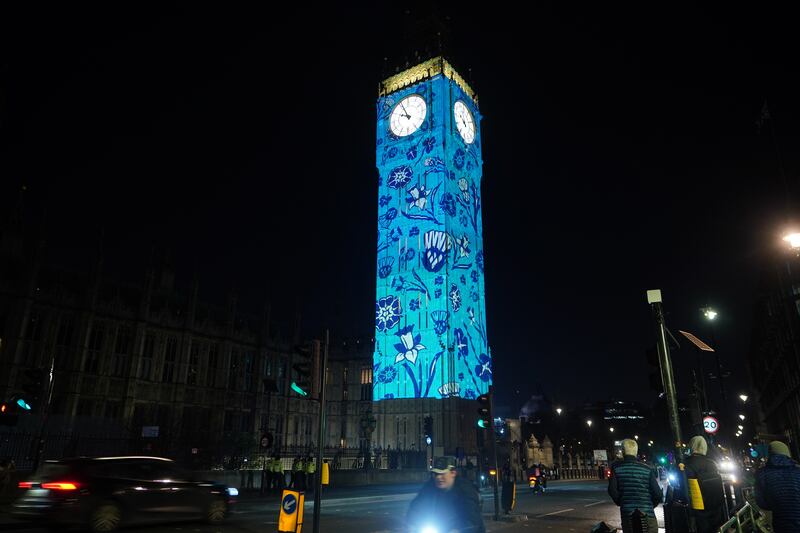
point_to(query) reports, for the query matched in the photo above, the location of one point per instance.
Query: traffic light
(485, 411)
(654, 369)
(32, 387)
(301, 382)
(429, 429)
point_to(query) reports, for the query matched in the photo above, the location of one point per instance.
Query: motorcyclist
(447, 502)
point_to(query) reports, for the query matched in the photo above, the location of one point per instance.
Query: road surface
(569, 506)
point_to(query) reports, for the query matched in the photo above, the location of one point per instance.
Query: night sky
(621, 154)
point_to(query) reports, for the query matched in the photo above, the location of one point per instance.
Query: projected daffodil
(409, 345)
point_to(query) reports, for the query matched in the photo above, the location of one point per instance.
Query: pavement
(567, 507)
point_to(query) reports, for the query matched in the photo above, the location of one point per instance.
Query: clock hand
(404, 110)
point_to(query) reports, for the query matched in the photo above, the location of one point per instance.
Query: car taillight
(60, 485)
(25, 484)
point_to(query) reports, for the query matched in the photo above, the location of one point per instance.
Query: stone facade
(150, 355)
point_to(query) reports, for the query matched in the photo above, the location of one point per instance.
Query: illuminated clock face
(465, 124)
(408, 115)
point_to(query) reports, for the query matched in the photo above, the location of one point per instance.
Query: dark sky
(620, 148)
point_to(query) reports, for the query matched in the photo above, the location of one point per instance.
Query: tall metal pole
(493, 436)
(667, 376)
(321, 434)
(37, 457)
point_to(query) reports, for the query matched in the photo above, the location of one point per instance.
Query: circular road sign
(710, 425)
(289, 504)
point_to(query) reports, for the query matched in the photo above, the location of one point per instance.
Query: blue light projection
(430, 317)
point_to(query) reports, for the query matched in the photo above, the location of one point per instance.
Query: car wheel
(217, 511)
(106, 517)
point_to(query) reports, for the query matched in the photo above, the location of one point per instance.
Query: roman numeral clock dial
(408, 115)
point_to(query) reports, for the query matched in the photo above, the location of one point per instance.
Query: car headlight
(727, 466)
(232, 491)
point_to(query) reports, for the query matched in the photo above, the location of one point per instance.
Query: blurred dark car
(104, 493)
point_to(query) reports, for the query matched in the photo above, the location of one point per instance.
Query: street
(568, 506)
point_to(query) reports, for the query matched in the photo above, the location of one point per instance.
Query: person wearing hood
(633, 485)
(778, 489)
(705, 487)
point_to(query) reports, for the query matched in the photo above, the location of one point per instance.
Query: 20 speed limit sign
(710, 424)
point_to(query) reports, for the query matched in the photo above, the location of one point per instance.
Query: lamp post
(711, 315)
(786, 281)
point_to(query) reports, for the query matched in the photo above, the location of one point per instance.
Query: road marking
(595, 503)
(555, 512)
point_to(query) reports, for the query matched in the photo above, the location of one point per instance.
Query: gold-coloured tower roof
(423, 71)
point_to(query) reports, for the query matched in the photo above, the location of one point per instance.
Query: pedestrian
(778, 489)
(706, 497)
(447, 500)
(633, 485)
(293, 473)
(310, 470)
(298, 474)
(279, 478)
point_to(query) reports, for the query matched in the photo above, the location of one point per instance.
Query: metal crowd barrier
(749, 519)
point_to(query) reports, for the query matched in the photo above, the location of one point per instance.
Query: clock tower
(431, 355)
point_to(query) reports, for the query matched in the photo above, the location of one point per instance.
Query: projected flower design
(439, 322)
(385, 266)
(399, 176)
(385, 220)
(417, 196)
(387, 313)
(484, 367)
(462, 348)
(458, 159)
(448, 204)
(409, 346)
(387, 375)
(455, 298)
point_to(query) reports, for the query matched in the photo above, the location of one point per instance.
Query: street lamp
(589, 423)
(743, 397)
(709, 313)
(558, 410)
(741, 417)
(611, 429)
(636, 437)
